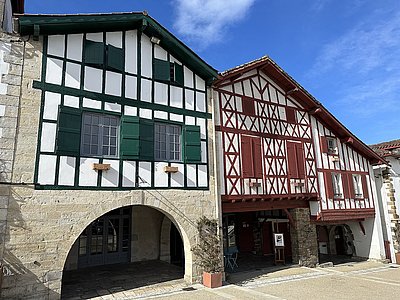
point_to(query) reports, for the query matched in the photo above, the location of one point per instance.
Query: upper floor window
(167, 142)
(290, 115)
(337, 185)
(248, 106)
(295, 160)
(357, 184)
(329, 145)
(167, 71)
(251, 157)
(100, 135)
(103, 55)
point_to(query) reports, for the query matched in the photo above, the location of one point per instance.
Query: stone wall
(43, 225)
(11, 60)
(304, 238)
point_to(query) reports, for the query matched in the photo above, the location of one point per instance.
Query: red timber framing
(268, 151)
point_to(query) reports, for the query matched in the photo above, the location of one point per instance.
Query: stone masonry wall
(393, 214)
(42, 225)
(304, 238)
(11, 59)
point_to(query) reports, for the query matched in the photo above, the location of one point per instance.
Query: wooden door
(245, 232)
(267, 242)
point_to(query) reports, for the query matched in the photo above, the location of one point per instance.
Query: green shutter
(161, 69)
(137, 138)
(192, 143)
(129, 145)
(94, 53)
(146, 139)
(115, 58)
(69, 131)
(179, 74)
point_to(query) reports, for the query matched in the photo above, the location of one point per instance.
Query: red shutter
(247, 157)
(248, 106)
(290, 114)
(324, 144)
(345, 182)
(300, 160)
(291, 160)
(257, 158)
(364, 186)
(352, 193)
(328, 185)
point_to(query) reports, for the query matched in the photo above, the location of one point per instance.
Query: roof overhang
(84, 23)
(297, 92)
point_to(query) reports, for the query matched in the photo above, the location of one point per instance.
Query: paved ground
(358, 280)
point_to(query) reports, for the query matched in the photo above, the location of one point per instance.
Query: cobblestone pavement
(359, 280)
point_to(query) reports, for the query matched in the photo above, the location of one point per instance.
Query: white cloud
(364, 48)
(319, 5)
(205, 21)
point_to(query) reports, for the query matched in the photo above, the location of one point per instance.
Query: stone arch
(348, 240)
(185, 227)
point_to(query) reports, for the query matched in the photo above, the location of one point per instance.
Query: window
(167, 142)
(357, 184)
(248, 106)
(99, 135)
(332, 147)
(251, 157)
(167, 71)
(100, 55)
(290, 115)
(337, 185)
(295, 159)
(328, 145)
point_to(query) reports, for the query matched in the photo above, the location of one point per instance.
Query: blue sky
(344, 52)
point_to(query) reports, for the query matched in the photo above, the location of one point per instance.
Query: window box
(169, 169)
(101, 167)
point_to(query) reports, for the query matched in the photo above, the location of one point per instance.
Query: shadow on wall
(18, 279)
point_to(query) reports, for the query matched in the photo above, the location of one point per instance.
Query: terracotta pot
(397, 255)
(212, 280)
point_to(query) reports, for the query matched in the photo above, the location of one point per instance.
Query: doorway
(106, 240)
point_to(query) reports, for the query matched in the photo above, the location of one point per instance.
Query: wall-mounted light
(155, 40)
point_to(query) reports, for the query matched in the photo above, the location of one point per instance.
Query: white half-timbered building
(286, 165)
(112, 149)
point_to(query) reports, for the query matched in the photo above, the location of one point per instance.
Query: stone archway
(149, 239)
(341, 240)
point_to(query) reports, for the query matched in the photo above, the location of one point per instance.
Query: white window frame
(332, 145)
(101, 139)
(357, 184)
(172, 153)
(337, 185)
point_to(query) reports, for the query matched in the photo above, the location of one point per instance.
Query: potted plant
(208, 252)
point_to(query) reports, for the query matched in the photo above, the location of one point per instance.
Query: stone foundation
(304, 238)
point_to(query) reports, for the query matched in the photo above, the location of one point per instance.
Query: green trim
(66, 24)
(115, 99)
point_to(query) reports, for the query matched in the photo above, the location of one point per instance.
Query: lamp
(155, 40)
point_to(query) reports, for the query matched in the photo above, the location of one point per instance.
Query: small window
(167, 71)
(357, 183)
(332, 146)
(100, 135)
(290, 115)
(337, 185)
(167, 142)
(248, 106)
(101, 55)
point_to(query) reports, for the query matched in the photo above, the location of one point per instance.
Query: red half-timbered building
(287, 165)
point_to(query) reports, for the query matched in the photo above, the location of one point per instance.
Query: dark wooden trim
(348, 214)
(229, 207)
